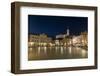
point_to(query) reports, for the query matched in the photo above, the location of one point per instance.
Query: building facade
(63, 35)
(61, 40)
(39, 40)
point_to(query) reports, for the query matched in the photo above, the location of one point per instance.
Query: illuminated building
(39, 40)
(63, 35)
(84, 36)
(77, 40)
(81, 40)
(64, 39)
(61, 40)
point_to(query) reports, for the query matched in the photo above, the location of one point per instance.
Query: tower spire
(67, 31)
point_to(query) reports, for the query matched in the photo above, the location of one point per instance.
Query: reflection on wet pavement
(47, 53)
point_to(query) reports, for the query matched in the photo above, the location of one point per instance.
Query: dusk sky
(54, 25)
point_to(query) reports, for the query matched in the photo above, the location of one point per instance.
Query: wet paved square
(49, 53)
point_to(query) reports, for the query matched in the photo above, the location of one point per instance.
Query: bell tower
(67, 32)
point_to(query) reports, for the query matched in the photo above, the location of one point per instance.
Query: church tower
(67, 32)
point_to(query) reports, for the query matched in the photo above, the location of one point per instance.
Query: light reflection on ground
(47, 53)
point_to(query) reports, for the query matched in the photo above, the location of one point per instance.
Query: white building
(57, 42)
(77, 40)
(63, 35)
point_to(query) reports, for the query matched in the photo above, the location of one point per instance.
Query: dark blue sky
(53, 25)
